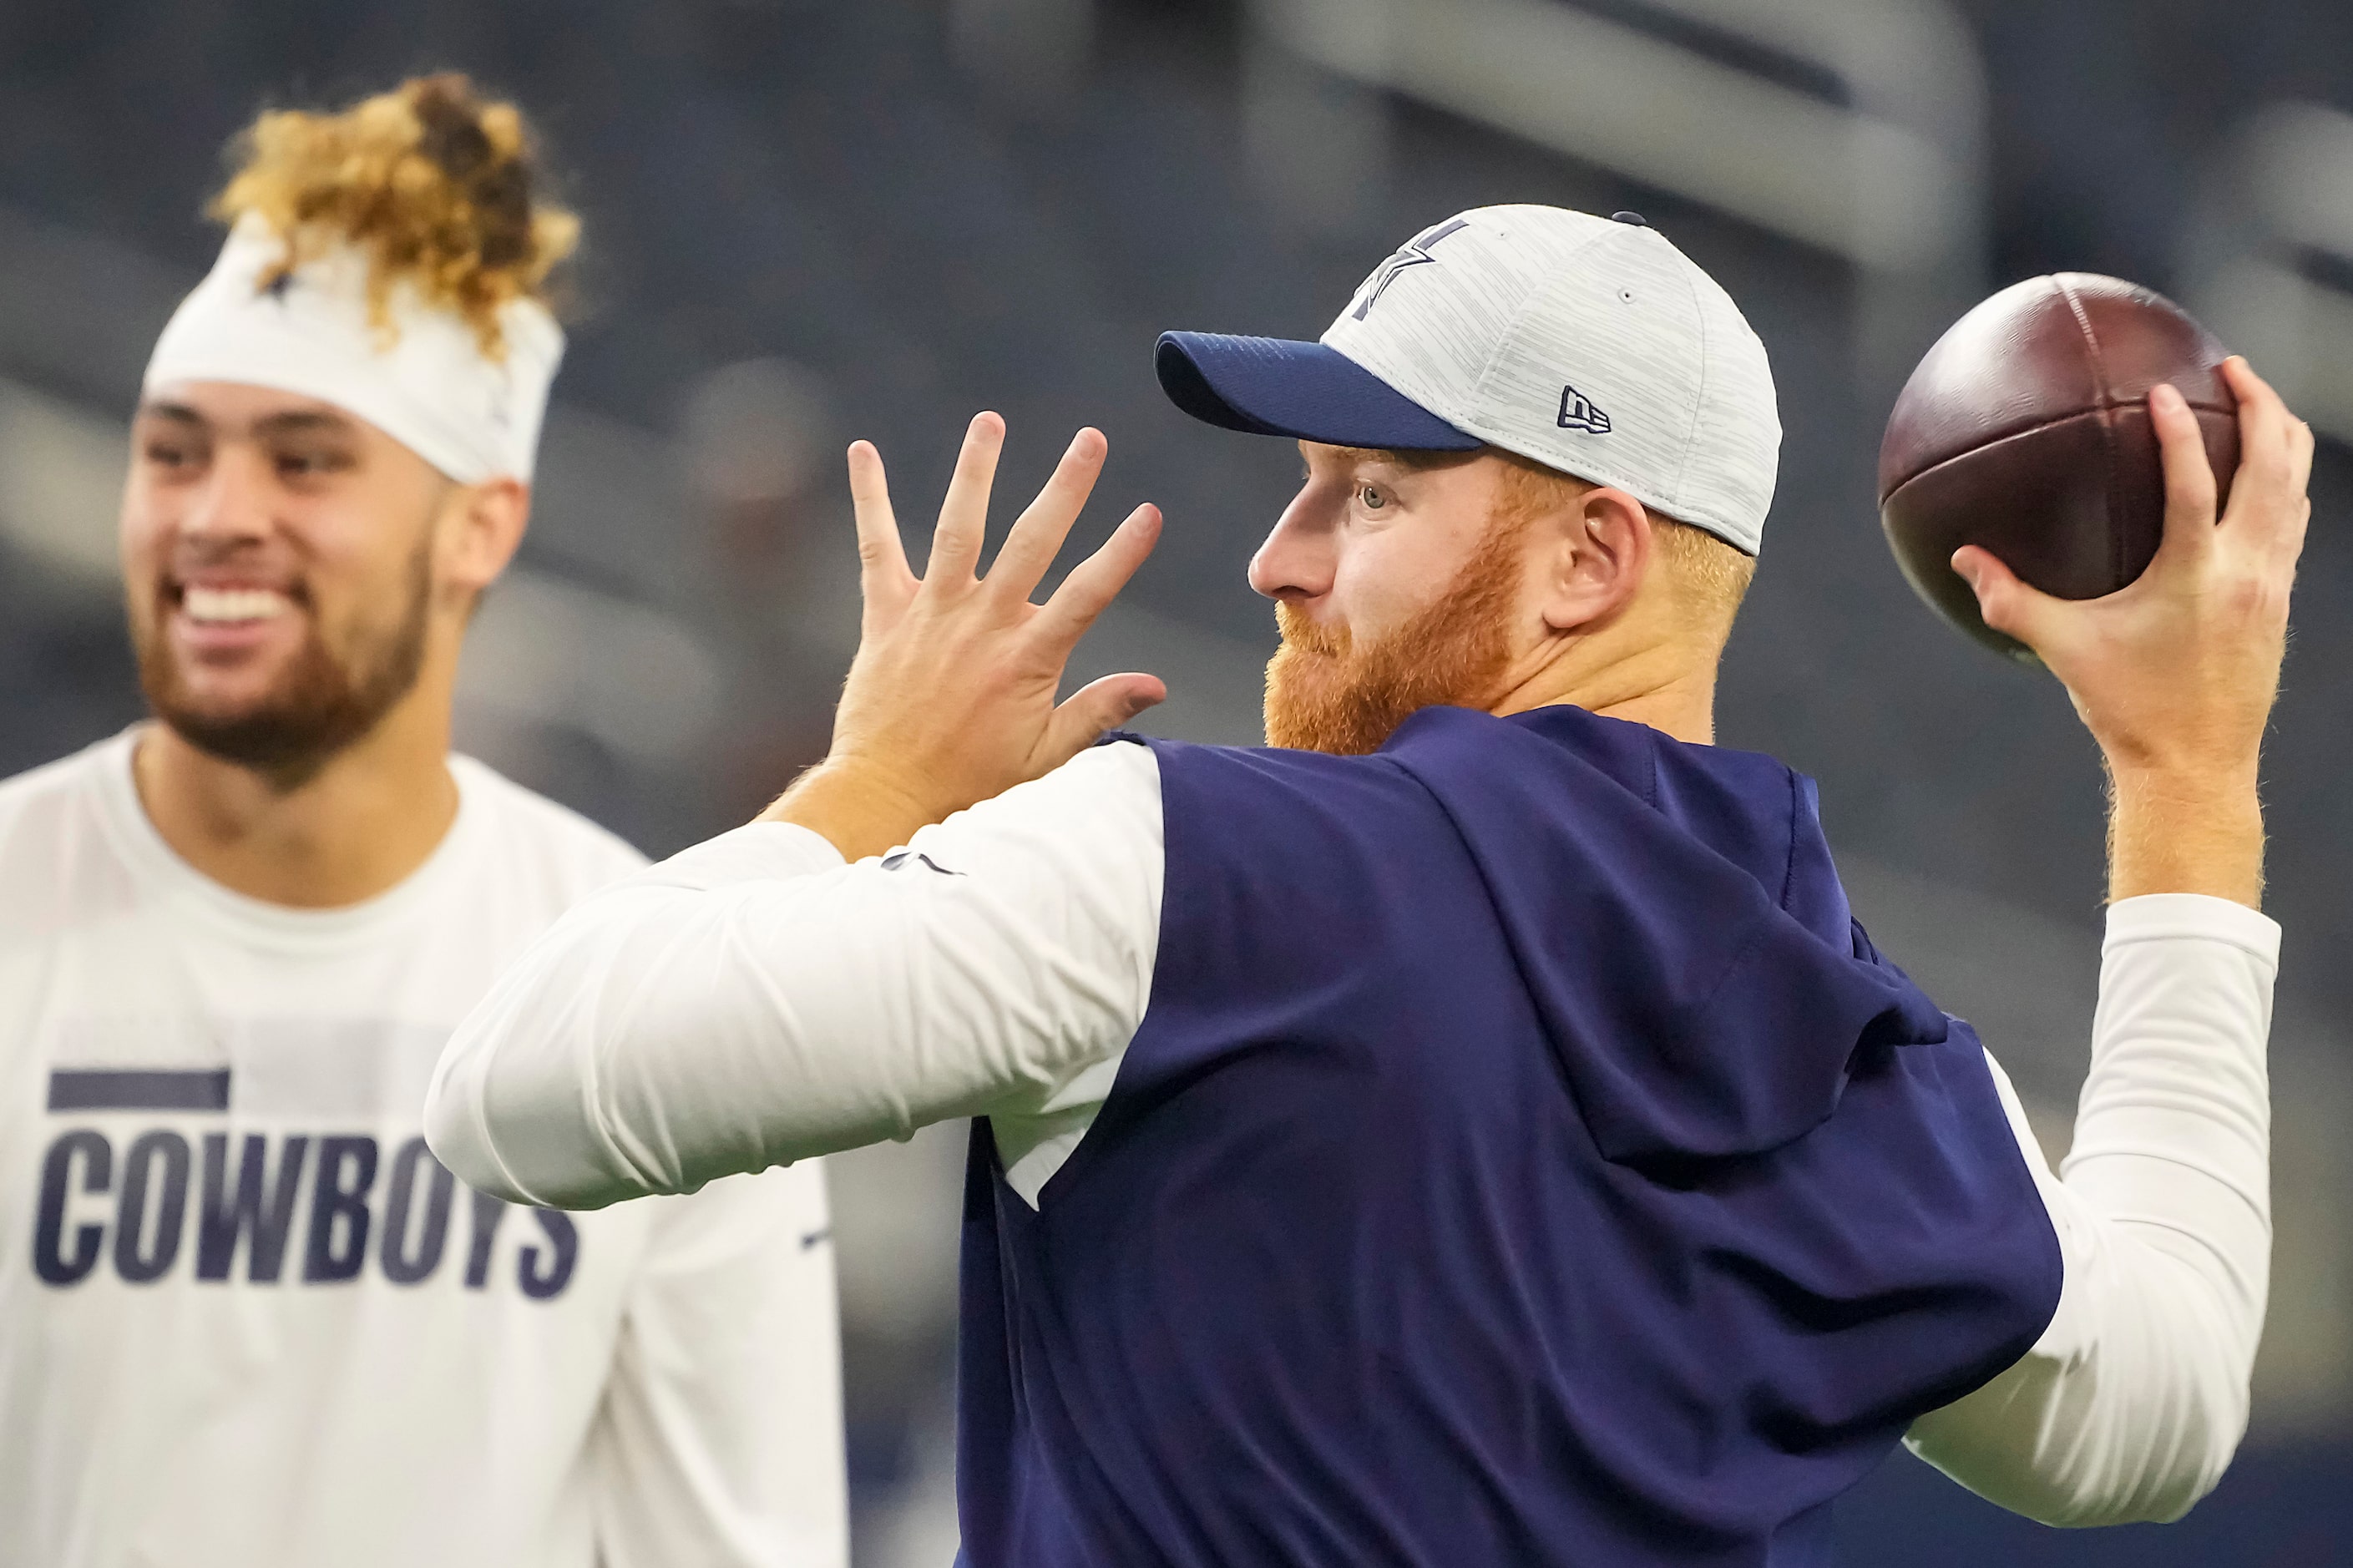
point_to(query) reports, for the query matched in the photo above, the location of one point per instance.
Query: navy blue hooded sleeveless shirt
(1525, 1160)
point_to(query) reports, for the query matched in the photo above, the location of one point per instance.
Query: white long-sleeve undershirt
(755, 1001)
(2132, 1403)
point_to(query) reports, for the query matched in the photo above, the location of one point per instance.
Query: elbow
(2184, 1480)
(2160, 1496)
(455, 1132)
(2164, 1499)
(2058, 1443)
(531, 1152)
(2169, 1479)
(512, 1111)
(2202, 1424)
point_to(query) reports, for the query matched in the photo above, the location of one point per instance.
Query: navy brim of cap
(1275, 387)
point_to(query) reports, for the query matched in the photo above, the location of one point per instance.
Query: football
(2025, 429)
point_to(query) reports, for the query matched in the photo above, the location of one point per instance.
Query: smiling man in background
(245, 1318)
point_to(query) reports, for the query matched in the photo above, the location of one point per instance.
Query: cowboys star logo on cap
(1413, 254)
(1517, 327)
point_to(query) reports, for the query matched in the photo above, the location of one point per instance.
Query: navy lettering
(487, 1211)
(49, 1259)
(564, 1245)
(136, 1260)
(334, 1197)
(401, 1266)
(142, 1213)
(266, 1207)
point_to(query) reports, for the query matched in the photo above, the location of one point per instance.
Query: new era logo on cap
(1532, 329)
(1578, 413)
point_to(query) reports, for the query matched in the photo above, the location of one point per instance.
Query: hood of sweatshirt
(1677, 917)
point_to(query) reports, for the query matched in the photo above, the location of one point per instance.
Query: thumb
(2009, 606)
(1099, 705)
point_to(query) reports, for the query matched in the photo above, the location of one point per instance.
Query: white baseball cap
(1591, 345)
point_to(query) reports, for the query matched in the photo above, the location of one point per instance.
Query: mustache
(1305, 637)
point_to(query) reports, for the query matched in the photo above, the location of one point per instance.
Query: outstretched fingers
(1095, 582)
(883, 574)
(1037, 535)
(964, 515)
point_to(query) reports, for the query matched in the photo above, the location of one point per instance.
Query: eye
(1372, 497)
(171, 452)
(306, 465)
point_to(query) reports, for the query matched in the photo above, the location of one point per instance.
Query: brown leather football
(2026, 430)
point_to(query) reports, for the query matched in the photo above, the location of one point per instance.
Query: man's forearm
(2177, 832)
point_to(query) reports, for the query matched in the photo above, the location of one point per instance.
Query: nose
(232, 502)
(1297, 560)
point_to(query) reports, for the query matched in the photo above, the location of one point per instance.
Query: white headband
(431, 389)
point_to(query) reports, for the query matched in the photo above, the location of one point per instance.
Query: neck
(1655, 681)
(355, 828)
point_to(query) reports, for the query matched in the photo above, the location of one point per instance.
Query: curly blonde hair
(432, 183)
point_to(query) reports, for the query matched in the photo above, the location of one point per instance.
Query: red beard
(1324, 692)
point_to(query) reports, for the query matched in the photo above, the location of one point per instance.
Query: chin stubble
(325, 700)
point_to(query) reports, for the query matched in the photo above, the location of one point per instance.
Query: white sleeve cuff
(2161, 917)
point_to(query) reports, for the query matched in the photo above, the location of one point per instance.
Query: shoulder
(65, 784)
(1091, 824)
(52, 823)
(552, 842)
(1114, 786)
(1296, 838)
(1244, 790)
(1121, 764)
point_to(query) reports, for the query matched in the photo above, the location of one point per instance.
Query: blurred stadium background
(811, 221)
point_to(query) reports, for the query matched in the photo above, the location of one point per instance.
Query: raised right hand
(2175, 674)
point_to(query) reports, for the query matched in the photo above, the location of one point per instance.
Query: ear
(481, 528)
(1598, 556)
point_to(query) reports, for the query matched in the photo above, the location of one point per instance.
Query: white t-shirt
(246, 1319)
